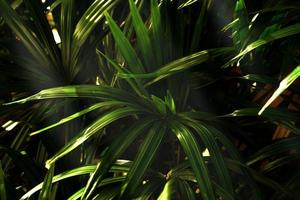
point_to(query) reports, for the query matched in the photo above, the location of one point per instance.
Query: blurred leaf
(2, 184)
(199, 26)
(147, 190)
(156, 28)
(168, 191)
(186, 192)
(240, 26)
(276, 148)
(187, 3)
(66, 23)
(271, 113)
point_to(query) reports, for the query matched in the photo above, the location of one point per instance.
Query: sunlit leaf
(284, 84)
(47, 184)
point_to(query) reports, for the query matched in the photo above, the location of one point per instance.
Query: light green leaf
(47, 184)
(92, 129)
(127, 51)
(181, 64)
(77, 172)
(284, 84)
(78, 114)
(143, 39)
(281, 33)
(168, 190)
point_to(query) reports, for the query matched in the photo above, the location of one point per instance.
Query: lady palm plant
(123, 99)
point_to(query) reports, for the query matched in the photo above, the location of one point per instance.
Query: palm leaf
(146, 154)
(216, 156)
(191, 148)
(284, 84)
(78, 114)
(77, 172)
(143, 39)
(97, 125)
(114, 151)
(47, 184)
(127, 51)
(168, 190)
(281, 33)
(24, 33)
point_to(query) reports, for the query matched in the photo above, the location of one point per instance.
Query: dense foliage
(111, 99)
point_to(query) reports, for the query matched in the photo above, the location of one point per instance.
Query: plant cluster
(169, 99)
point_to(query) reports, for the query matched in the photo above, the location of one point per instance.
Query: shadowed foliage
(111, 99)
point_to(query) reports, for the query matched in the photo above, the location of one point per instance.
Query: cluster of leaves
(149, 100)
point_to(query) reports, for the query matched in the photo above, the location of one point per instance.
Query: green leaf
(136, 86)
(78, 114)
(2, 184)
(168, 190)
(281, 33)
(143, 39)
(159, 104)
(276, 148)
(284, 84)
(77, 194)
(24, 33)
(119, 145)
(88, 22)
(148, 189)
(215, 154)
(47, 184)
(180, 65)
(125, 47)
(200, 25)
(77, 172)
(85, 91)
(142, 162)
(66, 27)
(241, 27)
(108, 193)
(271, 113)
(192, 150)
(170, 102)
(186, 192)
(156, 31)
(92, 129)
(186, 3)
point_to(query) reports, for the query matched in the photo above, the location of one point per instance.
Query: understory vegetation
(144, 100)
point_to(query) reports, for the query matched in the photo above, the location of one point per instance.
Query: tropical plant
(149, 99)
